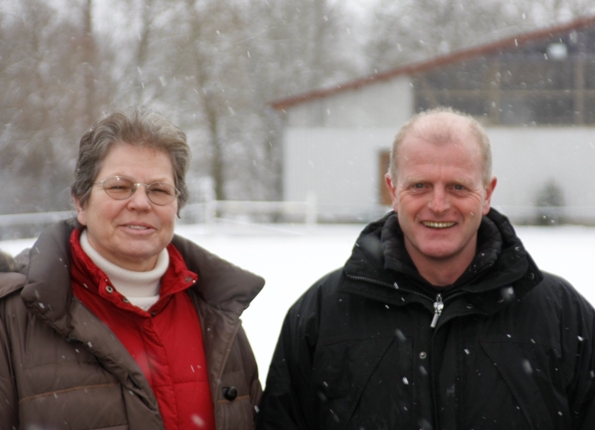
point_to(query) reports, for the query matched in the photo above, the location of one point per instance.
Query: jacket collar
(48, 292)
(10, 282)
(501, 263)
(221, 284)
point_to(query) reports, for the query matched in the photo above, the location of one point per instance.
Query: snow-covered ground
(292, 257)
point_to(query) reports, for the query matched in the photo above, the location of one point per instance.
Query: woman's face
(130, 233)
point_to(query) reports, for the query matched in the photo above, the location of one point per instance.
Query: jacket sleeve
(8, 394)
(289, 401)
(589, 418)
(579, 349)
(10, 283)
(582, 388)
(251, 370)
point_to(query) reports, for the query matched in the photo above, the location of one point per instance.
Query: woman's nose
(140, 198)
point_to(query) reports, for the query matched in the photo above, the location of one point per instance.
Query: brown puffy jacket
(62, 368)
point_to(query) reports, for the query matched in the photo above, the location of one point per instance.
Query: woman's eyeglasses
(122, 188)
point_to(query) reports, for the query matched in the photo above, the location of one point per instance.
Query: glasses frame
(135, 186)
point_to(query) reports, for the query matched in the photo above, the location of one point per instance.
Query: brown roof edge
(430, 64)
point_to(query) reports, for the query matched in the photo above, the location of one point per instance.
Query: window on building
(383, 162)
(545, 82)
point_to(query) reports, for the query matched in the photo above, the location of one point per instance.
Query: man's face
(440, 198)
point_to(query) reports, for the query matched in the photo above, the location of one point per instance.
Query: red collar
(177, 277)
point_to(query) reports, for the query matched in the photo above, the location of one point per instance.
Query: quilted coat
(62, 368)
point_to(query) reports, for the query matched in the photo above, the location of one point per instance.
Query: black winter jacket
(511, 348)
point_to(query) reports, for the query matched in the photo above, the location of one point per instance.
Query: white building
(534, 93)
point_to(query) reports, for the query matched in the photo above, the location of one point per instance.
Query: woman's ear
(81, 214)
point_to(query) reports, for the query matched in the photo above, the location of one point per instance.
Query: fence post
(311, 209)
(208, 190)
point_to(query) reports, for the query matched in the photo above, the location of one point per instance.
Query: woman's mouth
(137, 227)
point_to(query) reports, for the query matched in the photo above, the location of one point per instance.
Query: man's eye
(418, 186)
(459, 187)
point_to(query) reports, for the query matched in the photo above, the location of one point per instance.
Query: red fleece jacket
(165, 341)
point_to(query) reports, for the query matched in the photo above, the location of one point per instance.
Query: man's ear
(488, 199)
(392, 189)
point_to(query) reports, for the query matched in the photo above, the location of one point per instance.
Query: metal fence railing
(34, 218)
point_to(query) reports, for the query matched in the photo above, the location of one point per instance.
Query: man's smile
(436, 224)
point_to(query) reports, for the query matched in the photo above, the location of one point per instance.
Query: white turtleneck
(141, 288)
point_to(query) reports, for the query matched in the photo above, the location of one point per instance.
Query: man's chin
(440, 251)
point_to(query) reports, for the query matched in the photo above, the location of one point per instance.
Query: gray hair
(135, 126)
(441, 133)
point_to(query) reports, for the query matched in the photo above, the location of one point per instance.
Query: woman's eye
(159, 188)
(119, 187)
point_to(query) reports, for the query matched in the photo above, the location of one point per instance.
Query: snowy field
(292, 257)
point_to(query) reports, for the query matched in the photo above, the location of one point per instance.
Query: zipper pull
(438, 306)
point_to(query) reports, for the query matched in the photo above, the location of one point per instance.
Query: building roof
(490, 48)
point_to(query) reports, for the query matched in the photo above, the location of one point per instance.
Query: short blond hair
(439, 134)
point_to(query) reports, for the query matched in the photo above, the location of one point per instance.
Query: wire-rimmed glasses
(122, 188)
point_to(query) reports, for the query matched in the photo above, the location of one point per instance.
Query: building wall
(339, 166)
(382, 104)
(526, 159)
(333, 146)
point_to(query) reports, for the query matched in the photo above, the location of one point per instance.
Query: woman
(119, 323)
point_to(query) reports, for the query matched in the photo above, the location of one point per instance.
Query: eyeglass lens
(121, 188)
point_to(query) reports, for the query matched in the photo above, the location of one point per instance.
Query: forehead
(127, 159)
(451, 160)
(440, 132)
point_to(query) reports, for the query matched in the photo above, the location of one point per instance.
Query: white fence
(28, 224)
(15, 226)
(209, 211)
(308, 212)
(36, 218)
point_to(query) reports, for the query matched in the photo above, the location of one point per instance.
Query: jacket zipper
(438, 302)
(438, 306)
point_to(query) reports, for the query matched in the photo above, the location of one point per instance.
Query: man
(440, 319)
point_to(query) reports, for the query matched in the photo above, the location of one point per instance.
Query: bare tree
(414, 30)
(212, 66)
(294, 46)
(545, 12)
(37, 96)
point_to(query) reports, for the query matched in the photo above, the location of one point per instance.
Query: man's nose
(439, 201)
